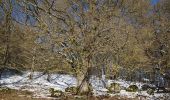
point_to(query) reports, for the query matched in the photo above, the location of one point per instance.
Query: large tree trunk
(83, 83)
(83, 79)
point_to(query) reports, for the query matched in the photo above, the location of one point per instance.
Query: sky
(20, 16)
(154, 2)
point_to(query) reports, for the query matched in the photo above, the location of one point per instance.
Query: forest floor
(20, 87)
(26, 95)
(17, 95)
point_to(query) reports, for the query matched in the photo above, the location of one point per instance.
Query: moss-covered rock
(55, 93)
(114, 87)
(150, 91)
(71, 90)
(132, 88)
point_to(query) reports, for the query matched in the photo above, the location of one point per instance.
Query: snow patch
(40, 86)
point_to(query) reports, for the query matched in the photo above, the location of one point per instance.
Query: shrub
(55, 93)
(71, 89)
(5, 89)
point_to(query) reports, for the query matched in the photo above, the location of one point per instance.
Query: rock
(150, 91)
(114, 87)
(55, 93)
(132, 88)
(145, 87)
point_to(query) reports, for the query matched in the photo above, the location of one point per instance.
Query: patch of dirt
(26, 95)
(11, 94)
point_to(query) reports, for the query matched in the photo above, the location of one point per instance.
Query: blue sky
(20, 16)
(154, 2)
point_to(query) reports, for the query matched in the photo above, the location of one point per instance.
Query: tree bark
(83, 81)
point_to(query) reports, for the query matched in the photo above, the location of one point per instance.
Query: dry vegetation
(16, 95)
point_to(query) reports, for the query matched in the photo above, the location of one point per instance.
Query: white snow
(40, 86)
(100, 90)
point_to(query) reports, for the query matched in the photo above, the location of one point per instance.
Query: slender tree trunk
(33, 64)
(104, 76)
(6, 57)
